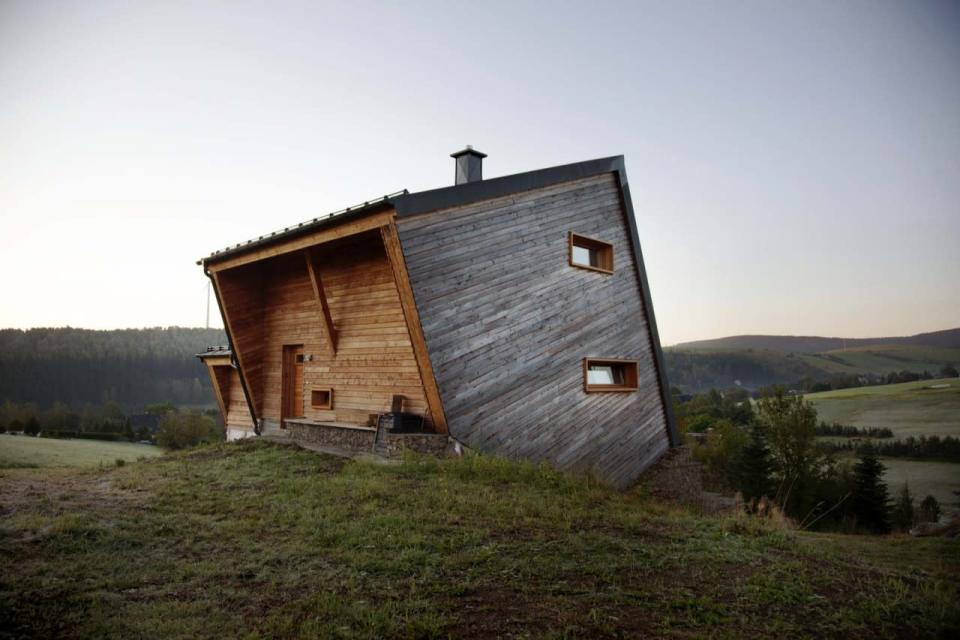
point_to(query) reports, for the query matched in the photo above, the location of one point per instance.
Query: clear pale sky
(795, 168)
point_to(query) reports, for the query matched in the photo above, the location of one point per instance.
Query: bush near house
(187, 429)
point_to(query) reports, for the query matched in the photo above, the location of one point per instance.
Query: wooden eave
(256, 245)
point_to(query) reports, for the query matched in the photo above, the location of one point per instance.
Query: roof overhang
(304, 228)
(214, 353)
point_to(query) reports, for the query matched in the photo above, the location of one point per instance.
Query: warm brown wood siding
(374, 357)
(229, 393)
(241, 295)
(508, 322)
(238, 413)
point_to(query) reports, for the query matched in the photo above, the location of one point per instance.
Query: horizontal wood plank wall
(374, 358)
(220, 377)
(508, 322)
(242, 297)
(238, 415)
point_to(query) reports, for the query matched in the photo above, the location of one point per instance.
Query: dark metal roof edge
(672, 431)
(303, 228)
(424, 201)
(213, 354)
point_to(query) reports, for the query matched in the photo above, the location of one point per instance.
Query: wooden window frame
(604, 249)
(328, 404)
(631, 375)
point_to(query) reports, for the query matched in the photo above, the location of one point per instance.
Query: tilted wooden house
(511, 315)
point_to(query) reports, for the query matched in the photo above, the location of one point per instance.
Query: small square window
(321, 398)
(590, 253)
(610, 375)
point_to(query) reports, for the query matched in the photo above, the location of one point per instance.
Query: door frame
(288, 391)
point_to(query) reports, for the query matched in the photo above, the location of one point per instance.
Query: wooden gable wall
(372, 358)
(508, 321)
(241, 294)
(229, 393)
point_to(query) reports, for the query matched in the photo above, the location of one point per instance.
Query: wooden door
(292, 383)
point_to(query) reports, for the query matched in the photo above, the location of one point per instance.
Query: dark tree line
(104, 422)
(132, 367)
(162, 423)
(945, 449)
(847, 431)
(700, 370)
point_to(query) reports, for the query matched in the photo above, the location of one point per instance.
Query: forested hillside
(948, 338)
(133, 367)
(805, 361)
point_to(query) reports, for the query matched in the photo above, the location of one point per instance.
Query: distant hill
(948, 338)
(756, 361)
(130, 366)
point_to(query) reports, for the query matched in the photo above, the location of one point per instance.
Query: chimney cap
(469, 150)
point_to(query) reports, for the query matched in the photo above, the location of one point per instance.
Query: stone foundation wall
(359, 440)
(431, 444)
(352, 440)
(676, 476)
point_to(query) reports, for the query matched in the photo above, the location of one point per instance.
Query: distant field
(938, 479)
(25, 451)
(925, 407)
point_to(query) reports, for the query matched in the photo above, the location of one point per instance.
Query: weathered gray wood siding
(508, 322)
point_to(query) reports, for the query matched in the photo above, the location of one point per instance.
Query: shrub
(183, 430)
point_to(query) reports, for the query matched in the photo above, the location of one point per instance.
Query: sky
(795, 167)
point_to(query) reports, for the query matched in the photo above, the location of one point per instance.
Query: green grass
(925, 407)
(256, 540)
(26, 451)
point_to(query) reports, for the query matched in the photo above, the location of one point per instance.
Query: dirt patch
(507, 613)
(64, 490)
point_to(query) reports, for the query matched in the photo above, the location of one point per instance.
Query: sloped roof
(407, 203)
(304, 227)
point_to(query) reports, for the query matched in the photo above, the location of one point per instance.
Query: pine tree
(929, 509)
(870, 500)
(903, 515)
(754, 469)
(32, 427)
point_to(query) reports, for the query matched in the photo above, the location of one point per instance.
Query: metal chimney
(469, 165)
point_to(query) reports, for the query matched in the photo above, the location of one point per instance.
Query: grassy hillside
(949, 338)
(257, 540)
(696, 371)
(701, 369)
(925, 407)
(25, 451)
